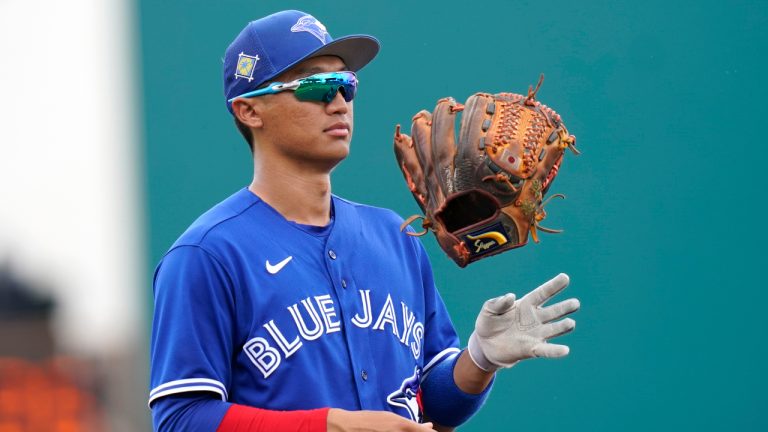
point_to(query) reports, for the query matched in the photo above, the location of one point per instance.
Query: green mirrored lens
(323, 87)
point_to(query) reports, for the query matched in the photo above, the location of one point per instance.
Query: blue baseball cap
(271, 45)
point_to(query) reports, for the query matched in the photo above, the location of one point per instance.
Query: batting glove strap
(477, 355)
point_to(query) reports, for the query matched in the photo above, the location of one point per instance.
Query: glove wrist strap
(478, 356)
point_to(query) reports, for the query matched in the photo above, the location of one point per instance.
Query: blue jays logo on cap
(310, 24)
(245, 65)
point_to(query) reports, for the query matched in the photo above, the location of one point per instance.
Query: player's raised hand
(372, 421)
(509, 330)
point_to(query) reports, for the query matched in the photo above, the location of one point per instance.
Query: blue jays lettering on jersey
(285, 316)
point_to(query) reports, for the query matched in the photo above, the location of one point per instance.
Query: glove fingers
(408, 162)
(558, 310)
(546, 291)
(421, 131)
(500, 305)
(471, 144)
(444, 143)
(558, 328)
(550, 350)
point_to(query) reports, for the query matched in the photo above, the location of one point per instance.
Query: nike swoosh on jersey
(273, 269)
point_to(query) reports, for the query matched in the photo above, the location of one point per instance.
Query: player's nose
(338, 105)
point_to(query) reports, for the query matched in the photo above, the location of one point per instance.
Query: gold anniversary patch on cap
(245, 66)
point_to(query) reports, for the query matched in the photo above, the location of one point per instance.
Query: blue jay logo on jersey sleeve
(311, 25)
(408, 394)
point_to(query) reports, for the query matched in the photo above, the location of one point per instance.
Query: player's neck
(299, 196)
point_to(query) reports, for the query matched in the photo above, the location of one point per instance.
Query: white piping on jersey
(448, 352)
(187, 385)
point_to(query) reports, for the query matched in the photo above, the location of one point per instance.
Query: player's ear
(248, 111)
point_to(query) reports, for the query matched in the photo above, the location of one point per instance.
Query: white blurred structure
(70, 205)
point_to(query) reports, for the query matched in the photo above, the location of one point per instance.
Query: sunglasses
(320, 87)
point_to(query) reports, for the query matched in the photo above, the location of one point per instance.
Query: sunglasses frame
(277, 87)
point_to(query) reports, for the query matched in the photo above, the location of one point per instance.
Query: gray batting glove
(507, 331)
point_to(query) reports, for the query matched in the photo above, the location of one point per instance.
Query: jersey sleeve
(193, 323)
(440, 338)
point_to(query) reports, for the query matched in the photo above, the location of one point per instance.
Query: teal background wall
(664, 221)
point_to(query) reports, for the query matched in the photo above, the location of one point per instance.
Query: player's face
(313, 133)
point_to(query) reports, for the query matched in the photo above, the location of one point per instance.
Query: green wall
(664, 236)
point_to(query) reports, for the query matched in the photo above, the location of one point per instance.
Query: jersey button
(344, 283)
(364, 374)
(332, 254)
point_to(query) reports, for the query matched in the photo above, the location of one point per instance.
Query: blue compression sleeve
(189, 412)
(443, 401)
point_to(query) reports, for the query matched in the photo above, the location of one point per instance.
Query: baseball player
(287, 308)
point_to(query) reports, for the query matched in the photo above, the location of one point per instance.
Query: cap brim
(355, 51)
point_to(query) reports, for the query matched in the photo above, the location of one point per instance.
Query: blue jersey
(272, 314)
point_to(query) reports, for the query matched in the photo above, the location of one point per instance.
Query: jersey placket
(339, 247)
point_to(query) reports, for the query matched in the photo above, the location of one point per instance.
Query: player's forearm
(340, 420)
(468, 377)
(201, 412)
(446, 402)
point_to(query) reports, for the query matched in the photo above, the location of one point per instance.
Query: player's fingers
(412, 426)
(550, 350)
(546, 291)
(558, 310)
(500, 305)
(557, 328)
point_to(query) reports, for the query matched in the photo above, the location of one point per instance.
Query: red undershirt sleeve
(241, 418)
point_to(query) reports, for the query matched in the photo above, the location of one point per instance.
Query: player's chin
(335, 154)
(341, 154)
(339, 146)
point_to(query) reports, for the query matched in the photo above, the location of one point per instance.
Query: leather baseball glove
(483, 193)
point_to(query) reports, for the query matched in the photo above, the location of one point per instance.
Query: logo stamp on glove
(486, 240)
